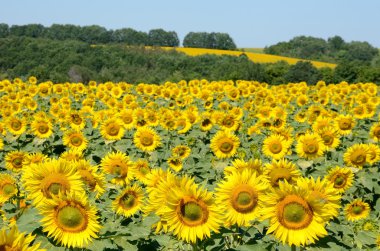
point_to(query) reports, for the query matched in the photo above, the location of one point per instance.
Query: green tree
(160, 37)
(130, 37)
(4, 30)
(303, 71)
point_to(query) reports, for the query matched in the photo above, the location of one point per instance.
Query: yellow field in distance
(255, 57)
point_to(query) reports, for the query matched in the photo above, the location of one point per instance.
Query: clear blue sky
(250, 23)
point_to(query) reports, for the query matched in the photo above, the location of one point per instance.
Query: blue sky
(250, 23)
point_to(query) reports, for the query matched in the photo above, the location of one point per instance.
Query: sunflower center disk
(357, 210)
(276, 147)
(16, 125)
(328, 139)
(113, 130)
(344, 125)
(9, 189)
(146, 140)
(71, 218)
(311, 148)
(43, 129)
(226, 147)
(54, 188)
(17, 162)
(294, 212)
(339, 182)
(128, 201)
(76, 141)
(192, 212)
(358, 158)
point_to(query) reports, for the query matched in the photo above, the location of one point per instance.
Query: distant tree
(160, 37)
(361, 51)
(336, 43)
(94, 34)
(63, 31)
(130, 37)
(214, 40)
(4, 30)
(275, 73)
(346, 71)
(303, 71)
(29, 30)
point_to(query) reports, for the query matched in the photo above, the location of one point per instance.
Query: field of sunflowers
(193, 165)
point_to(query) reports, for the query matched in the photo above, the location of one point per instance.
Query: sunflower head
(224, 144)
(70, 220)
(129, 201)
(281, 170)
(146, 139)
(356, 155)
(341, 178)
(357, 210)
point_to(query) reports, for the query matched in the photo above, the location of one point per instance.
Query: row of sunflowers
(193, 165)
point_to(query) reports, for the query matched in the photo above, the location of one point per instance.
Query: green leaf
(29, 220)
(124, 244)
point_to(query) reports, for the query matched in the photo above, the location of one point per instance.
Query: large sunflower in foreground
(295, 218)
(356, 155)
(129, 201)
(224, 144)
(341, 178)
(357, 210)
(70, 220)
(44, 180)
(13, 240)
(310, 146)
(275, 146)
(146, 139)
(240, 197)
(191, 213)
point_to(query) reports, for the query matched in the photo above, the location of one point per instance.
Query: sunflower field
(193, 165)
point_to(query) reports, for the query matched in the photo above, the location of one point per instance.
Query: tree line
(95, 34)
(77, 61)
(334, 50)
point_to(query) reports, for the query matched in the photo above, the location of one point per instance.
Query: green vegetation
(211, 40)
(334, 50)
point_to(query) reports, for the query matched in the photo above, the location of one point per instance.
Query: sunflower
(141, 170)
(190, 212)
(146, 139)
(76, 120)
(8, 187)
(70, 220)
(330, 137)
(229, 122)
(357, 210)
(373, 153)
(119, 166)
(356, 155)
(239, 165)
(281, 170)
(205, 121)
(14, 160)
(75, 139)
(345, 124)
(275, 146)
(341, 178)
(295, 217)
(33, 158)
(375, 132)
(16, 126)
(45, 180)
(322, 191)
(112, 129)
(240, 197)
(310, 146)
(224, 144)
(72, 155)
(181, 151)
(14, 240)
(94, 180)
(129, 201)
(175, 163)
(42, 128)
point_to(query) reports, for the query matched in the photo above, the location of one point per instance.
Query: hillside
(255, 57)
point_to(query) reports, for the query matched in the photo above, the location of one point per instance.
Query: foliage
(212, 40)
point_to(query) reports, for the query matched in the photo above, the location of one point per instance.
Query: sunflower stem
(293, 247)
